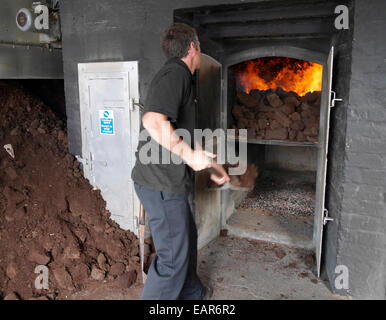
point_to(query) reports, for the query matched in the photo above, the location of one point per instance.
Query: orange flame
(272, 72)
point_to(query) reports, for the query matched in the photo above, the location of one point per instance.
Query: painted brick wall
(361, 242)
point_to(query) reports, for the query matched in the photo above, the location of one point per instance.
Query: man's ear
(190, 50)
(192, 46)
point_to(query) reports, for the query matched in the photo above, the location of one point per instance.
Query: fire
(272, 72)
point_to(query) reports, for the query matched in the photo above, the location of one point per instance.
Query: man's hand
(219, 180)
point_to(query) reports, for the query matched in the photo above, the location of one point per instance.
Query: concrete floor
(263, 224)
(239, 268)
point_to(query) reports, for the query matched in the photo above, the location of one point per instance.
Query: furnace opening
(277, 99)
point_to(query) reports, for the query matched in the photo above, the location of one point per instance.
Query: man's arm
(161, 130)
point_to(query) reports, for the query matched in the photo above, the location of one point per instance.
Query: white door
(110, 125)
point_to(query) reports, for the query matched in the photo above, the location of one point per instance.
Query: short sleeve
(166, 94)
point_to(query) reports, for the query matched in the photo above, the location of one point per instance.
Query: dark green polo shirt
(171, 93)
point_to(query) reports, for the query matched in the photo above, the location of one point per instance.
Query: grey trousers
(173, 272)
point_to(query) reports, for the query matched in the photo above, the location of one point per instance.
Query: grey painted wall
(361, 243)
(357, 178)
(116, 30)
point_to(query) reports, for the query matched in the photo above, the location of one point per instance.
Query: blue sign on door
(106, 121)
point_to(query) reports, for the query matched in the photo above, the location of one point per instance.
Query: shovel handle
(141, 221)
(141, 214)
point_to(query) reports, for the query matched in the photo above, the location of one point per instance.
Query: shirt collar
(180, 62)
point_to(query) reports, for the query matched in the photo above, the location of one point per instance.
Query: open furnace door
(208, 204)
(321, 213)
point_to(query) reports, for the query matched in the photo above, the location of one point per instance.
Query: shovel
(228, 186)
(142, 227)
(217, 175)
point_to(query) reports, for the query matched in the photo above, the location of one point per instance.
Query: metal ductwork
(42, 18)
(30, 40)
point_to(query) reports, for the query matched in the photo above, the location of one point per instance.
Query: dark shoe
(208, 293)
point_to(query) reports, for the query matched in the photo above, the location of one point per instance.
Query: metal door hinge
(326, 218)
(334, 99)
(133, 104)
(139, 105)
(82, 160)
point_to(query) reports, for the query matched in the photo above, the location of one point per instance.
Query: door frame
(308, 55)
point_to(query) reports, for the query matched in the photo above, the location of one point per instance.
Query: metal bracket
(140, 106)
(133, 104)
(82, 160)
(326, 218)
(334, 99)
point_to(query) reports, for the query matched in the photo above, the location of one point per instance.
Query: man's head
(181, 41)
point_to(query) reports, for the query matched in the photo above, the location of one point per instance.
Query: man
(165, 190)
